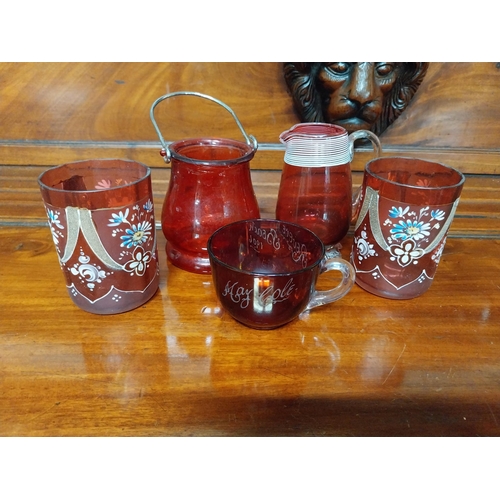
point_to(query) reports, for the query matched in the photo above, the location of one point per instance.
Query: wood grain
(364, 366)
(58, 112)
(179, 366)
(478, 212)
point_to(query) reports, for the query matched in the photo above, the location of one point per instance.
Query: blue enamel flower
(136, 235)
(437, 214)
(398, 212)
(410, 230)
(148, 206)
(117, 219)
(54, 219)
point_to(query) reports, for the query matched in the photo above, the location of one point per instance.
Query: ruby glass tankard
(101, 217)
(406, 206)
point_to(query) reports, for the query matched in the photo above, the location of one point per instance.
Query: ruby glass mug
(101, 217)
(406, 206)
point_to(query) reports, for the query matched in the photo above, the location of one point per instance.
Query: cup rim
(419, 160)
(254, 273)
(247, 151)
(45, 186)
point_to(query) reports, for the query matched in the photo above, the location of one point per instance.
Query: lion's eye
(341, 68)
(384, 69)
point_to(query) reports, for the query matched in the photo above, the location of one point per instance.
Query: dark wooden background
(57, 112)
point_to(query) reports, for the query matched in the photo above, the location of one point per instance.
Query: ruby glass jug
(316, 184)
(210, 186)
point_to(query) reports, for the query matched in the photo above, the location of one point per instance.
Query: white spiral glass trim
(302, 151)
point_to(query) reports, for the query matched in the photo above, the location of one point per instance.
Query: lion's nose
(362, 84)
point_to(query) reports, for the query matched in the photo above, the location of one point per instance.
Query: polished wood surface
(179, 366)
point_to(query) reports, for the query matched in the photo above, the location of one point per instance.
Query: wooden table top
(178, 366)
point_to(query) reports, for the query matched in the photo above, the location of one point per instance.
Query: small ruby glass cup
(265, 271)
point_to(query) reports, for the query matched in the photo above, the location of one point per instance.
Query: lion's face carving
(356, 96)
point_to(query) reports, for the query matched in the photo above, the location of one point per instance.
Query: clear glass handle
(365, 134)
(320, 298)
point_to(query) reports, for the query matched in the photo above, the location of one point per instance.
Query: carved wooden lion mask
(356, 96)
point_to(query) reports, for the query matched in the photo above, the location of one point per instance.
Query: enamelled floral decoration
(408, 230)
(137, 228)
(416, 227)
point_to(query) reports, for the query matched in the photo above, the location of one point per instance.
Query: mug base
(395, 295)
(116, 301)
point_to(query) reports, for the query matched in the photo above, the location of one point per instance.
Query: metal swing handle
(165, 152)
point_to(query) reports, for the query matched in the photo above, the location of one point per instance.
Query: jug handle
(165, 152)
(377, 148)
